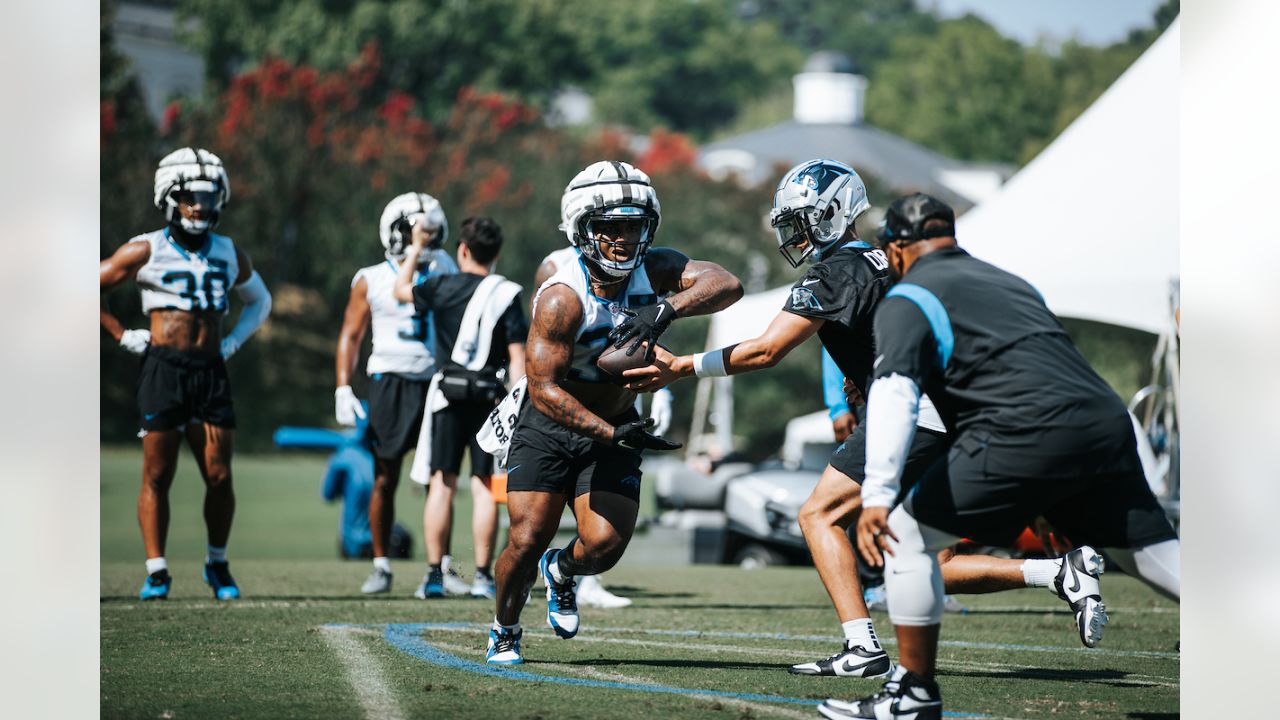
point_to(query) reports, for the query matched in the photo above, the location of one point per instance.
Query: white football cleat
(562, 601)
(453, 584)
(904, 696)
(379, 581)
(852, 661)
(591, 592)
(1078, 584)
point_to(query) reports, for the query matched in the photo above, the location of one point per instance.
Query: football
(614, 361)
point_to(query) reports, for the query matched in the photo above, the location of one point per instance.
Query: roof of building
(900, 163)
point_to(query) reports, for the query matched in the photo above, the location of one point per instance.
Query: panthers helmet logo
(804, 299)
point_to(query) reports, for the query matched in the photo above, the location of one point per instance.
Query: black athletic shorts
(176, 387)
(1091, 489)
(453, 430)
(547, 457)
(926, 447)
(396, 405)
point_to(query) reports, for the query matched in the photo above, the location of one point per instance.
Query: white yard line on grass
(363, 671)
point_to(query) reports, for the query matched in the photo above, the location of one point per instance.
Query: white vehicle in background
(742, 513)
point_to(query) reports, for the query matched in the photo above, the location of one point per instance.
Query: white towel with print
(490, 300)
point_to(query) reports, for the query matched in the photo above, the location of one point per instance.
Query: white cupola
(830, 90)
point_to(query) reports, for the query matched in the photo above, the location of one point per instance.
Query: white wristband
(709, 364)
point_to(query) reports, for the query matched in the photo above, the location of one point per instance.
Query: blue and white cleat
(432, 586)
(156, 586)
(218, 575)
(562, 600)
(504, 647)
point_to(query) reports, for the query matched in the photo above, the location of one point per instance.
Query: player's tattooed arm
(549, 352)
(699, 287)
(122, 265)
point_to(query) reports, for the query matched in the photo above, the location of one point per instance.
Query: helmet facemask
(200, 193)
(195, 171)
(814, 206)
(623, 230)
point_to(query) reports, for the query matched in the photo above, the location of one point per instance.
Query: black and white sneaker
(852, 661)
(904, 696)
(1078, 584)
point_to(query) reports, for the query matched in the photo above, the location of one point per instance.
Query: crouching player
(1036, 432)
(814, 209)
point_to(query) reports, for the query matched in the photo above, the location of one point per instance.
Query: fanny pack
(470, 386)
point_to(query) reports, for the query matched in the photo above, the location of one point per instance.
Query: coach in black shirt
(1035, 432)
(472, 388)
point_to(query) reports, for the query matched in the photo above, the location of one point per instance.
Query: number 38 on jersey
(175, 278)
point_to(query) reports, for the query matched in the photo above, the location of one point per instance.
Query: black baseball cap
(906, 216)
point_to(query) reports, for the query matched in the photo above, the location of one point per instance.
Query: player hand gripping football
(654, 376)
(644, 325)
(873, 528)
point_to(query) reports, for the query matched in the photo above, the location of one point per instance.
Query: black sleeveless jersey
(844, 290)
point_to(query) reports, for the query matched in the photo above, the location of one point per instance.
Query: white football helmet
(815, 203)
(193, 170)
(405, 211)
(606, 191)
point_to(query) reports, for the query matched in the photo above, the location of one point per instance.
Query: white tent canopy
(1092, 221)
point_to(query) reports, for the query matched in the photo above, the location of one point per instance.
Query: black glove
(633, 436)
(644, 325)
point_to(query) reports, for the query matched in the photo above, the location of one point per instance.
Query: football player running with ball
(578, 438)
(591, 589)
(186, 272)
(814, 209)
(401, 365)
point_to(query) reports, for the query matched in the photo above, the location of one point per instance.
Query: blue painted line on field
(728, 635)
(407, 638)
(966, 644)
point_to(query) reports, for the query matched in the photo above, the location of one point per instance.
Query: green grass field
(700, 641)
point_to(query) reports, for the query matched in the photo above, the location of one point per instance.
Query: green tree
(967, 92)
(686, 65)
(862, 29)
(432, 49)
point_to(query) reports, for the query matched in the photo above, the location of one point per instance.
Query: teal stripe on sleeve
(939, 321)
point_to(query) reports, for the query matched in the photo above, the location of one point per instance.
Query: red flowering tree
(313, 157)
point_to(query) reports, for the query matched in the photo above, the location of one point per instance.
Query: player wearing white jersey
(579, 438)
(591, 589)
(186, 272)
(401, 365)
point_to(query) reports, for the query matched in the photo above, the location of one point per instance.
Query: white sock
(861, 632)
(553, 568)
(155, 565)
(509, 628)
(1040, 573)
(216, 554)
(382, 564)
